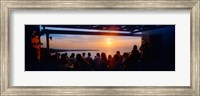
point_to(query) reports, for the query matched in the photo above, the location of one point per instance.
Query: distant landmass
(62, 50)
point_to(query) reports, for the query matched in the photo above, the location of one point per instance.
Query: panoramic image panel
(99, 47)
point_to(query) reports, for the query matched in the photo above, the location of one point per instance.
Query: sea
(111, 52)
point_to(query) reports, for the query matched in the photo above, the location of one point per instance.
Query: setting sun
(108, 42)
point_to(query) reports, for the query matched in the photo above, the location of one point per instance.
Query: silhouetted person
(115, 63)
(53, 64)
(103, 62)
(133, 60)
(142, 47)
(145, 52)
(135, 54)
(72, 61)
(124, 59)
(109, 60)
(97, 60)
(90, 60)
(120, 57)
(66, 56)
(63, 60)
(83, 55)
(72, 58)
(57, 57)
(82, 65)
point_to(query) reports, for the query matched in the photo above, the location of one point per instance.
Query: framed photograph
(100, 47)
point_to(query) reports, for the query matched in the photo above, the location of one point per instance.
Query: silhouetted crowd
(80, 62)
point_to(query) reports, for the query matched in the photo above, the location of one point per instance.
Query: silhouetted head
(63, 56)
(103, 56)
(57, 55)
(89, 54)
(72, 55)
(118, 52)
(135, 47)
(125, 55)
(98, 54)
(109, 56)
(79, 57)
(83, 54)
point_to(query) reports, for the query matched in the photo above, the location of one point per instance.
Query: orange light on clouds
(107, 44)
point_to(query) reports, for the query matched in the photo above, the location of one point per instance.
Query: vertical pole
(47, 38)
(39, 43)
(47, 42)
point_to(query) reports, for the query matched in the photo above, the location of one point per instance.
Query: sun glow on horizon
(108, 42)
(105, 43)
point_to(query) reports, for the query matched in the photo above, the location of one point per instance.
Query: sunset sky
(89, 41)
(103, 43)
(108, 44)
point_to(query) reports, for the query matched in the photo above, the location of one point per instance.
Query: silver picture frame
(6, 7)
